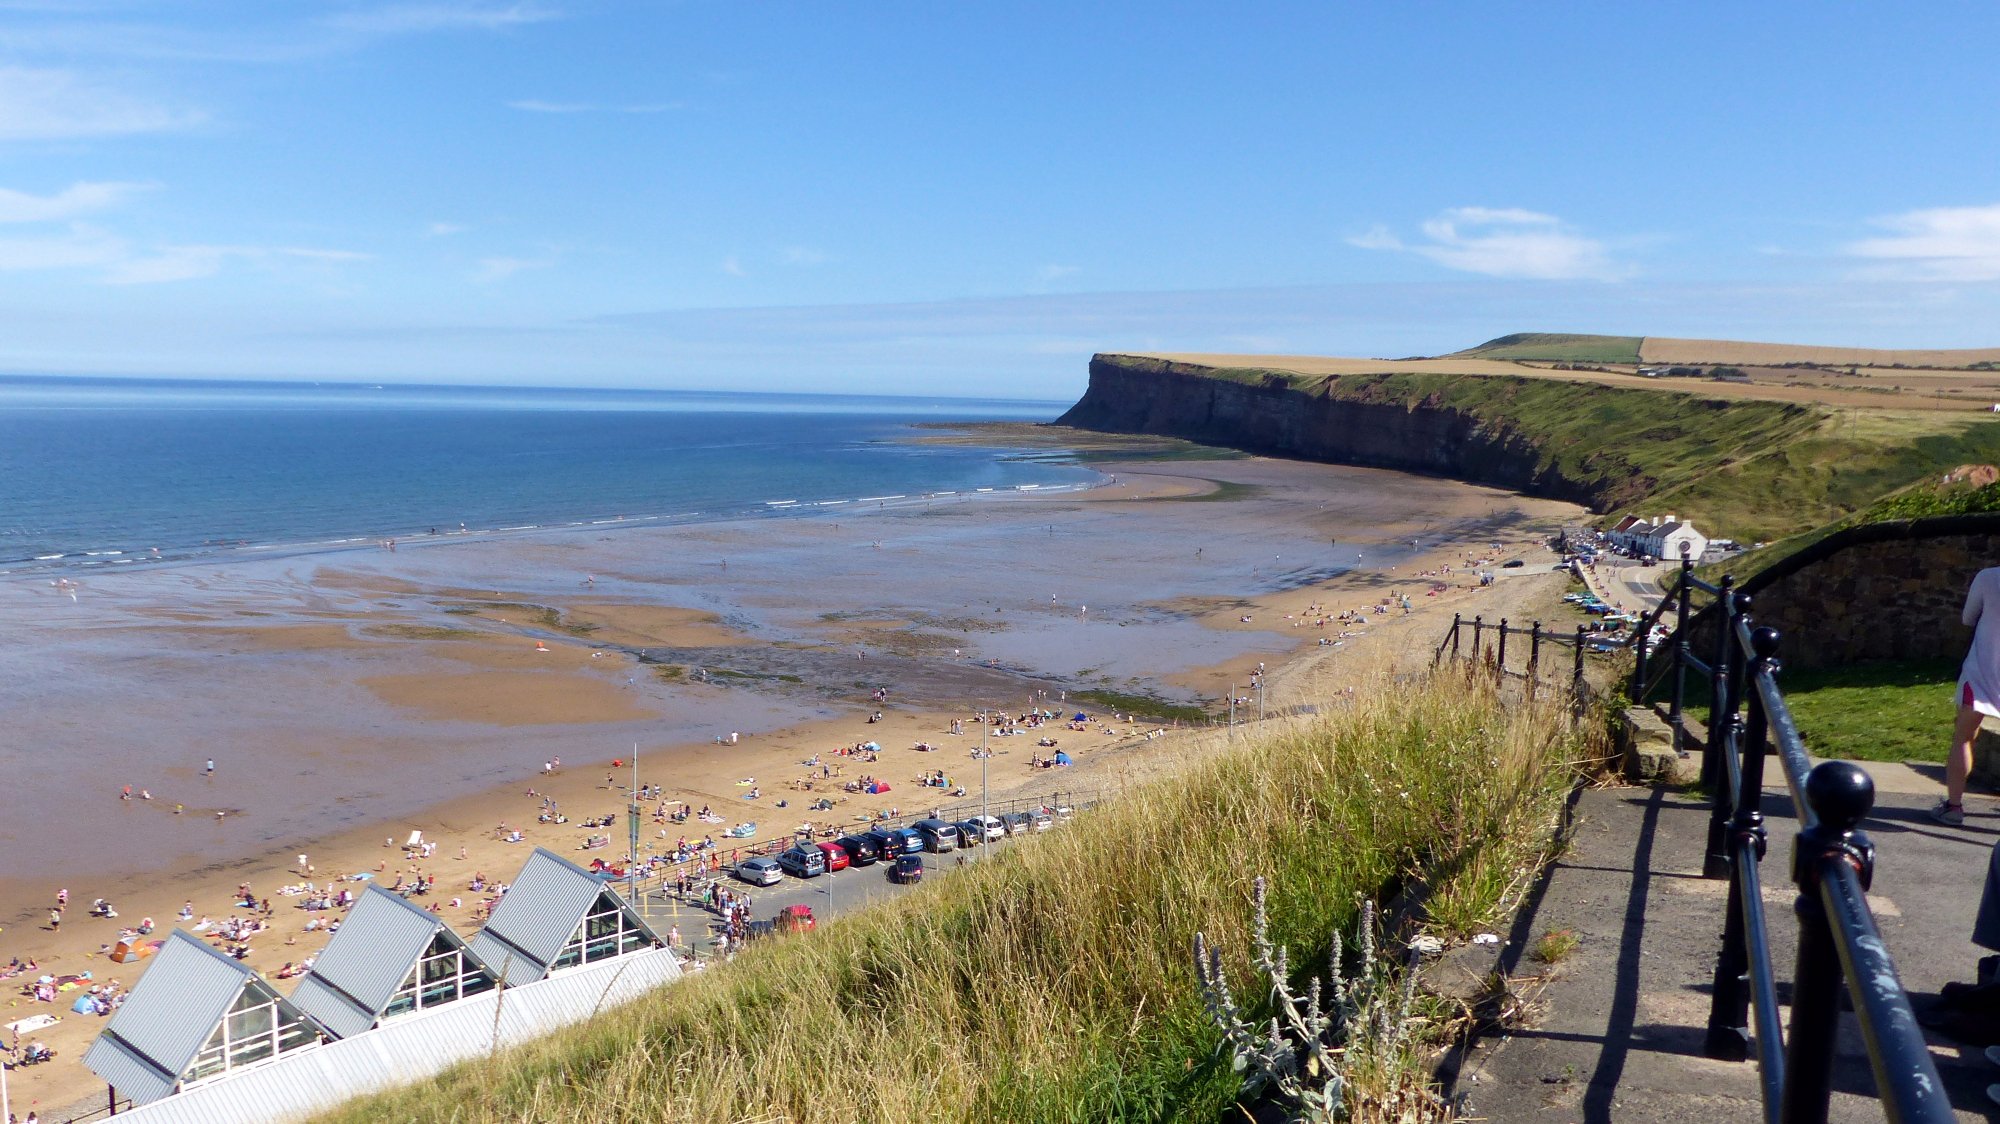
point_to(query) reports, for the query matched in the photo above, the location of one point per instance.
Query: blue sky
(940, 198)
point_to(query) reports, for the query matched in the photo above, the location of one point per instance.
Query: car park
(836, 856)
(1043, 821)
(970, 834)
(913, 840)
(862, 850)
(888, 842)
(803, 861)
(907, 868)
(939, 836)
(760, 870)
(1018, 823)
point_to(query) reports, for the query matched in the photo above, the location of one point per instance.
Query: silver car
(760, 871)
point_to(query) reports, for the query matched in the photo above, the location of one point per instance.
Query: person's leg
(1958, 766)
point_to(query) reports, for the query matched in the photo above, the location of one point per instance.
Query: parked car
(913, 840)
(971, 833)
(836, 856)
(939, 836)
(862, 850)
(1018, 823)
(907, 868)
(803, 861)
(1512, 564)
(1043, 821)
(989, 826)
(888, 842)
(794, 919)
(760, 870)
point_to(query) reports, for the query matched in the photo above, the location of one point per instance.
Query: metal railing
(1544, 663)
(1832, 865)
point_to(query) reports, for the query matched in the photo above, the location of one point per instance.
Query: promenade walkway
(1618, 1025)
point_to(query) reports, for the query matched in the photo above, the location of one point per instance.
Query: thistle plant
(1313, 1047)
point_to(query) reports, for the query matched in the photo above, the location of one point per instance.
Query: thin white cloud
(54, 104)
(445, 229)
(501, 268)
(533, 105)
(80, 247)
(1056, 272)
(803, 255)
(404, 19)
(187, 263)
(1935, 244)
(734, 267)
(76, 199)
(1503, 242)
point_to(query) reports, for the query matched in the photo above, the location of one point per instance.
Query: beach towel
(32, 1023)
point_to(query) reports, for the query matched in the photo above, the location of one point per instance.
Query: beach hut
(389, 958)
(558, 915)
(196, 1015)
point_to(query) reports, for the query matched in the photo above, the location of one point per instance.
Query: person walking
(1978, 690)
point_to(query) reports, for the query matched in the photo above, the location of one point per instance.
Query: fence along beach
(351, 698)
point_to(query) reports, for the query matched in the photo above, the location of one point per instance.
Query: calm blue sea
(103, 472)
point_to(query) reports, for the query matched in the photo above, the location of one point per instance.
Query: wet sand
(351, 698)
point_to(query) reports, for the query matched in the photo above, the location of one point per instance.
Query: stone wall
(1885, 591)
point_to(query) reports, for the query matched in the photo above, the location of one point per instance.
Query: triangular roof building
(194, 1016)
(389, 958)
(558, 915)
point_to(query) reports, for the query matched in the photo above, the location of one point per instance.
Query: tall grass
(1052, 981)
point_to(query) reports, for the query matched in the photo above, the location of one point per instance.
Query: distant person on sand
(1978, 690)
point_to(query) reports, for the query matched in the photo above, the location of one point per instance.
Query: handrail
(1833, 862)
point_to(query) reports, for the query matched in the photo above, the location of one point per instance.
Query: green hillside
(1561, 347)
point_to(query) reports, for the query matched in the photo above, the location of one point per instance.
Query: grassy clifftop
(1053, 980)
(1747, 468)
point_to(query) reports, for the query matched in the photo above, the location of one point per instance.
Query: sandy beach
(351, 698)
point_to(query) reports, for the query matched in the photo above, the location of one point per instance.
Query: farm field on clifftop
(1053, 980)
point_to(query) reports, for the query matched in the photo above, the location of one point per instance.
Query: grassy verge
(1144, 706)
(1054, 981)
(1876, 711)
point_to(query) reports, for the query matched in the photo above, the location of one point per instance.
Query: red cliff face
(1134, 394)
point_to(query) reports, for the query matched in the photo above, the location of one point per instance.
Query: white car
(760, 871)
(990, 826)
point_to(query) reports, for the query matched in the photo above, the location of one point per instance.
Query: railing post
(1534, 656)
(1840, 795)
(1455, 622)
(1576, 677)
(1478, 638)
(1721, 711)
(1500, 662)
(1639, 660)
(1729, 1004)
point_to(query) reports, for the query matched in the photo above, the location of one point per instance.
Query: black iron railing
(1832, 864)
(1537, 651)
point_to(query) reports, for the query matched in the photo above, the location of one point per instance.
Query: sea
(100, 472)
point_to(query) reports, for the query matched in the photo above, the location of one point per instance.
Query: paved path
(1621, 1021)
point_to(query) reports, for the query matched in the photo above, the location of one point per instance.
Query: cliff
(1600, 446)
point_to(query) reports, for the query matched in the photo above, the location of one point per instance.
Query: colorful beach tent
(129, 952)
(1061, 757)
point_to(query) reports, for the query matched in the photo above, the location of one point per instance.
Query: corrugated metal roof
(127, 1070)
(338, 1013)
(410, 1049)
(366, 961)
(175, 1006)
(542, 908)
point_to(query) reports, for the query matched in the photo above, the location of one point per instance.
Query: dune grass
(1054, 980)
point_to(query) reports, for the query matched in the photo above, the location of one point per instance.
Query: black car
(862, 850)
(908, 868)
(1512, 564)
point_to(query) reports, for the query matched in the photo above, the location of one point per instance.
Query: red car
(836, 856)
(794, 919)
